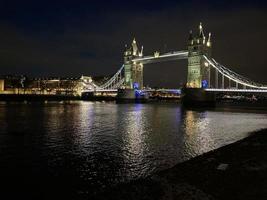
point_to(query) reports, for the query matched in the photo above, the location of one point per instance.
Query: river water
(79, 148)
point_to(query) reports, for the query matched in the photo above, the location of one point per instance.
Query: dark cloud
(70, 39)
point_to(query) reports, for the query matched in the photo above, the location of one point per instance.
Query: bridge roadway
(179, 91)
(175, 55)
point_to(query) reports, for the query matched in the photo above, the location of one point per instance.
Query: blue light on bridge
(174, 91)
(205, 84)
(135, 86)
(138, 93)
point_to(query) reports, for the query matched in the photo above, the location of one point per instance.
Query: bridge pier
(198, 97)
(130, 96)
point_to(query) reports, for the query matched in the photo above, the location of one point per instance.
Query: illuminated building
(47, 86)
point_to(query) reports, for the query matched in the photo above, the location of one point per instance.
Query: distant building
(50, 85)
(53, 86)
(2, 85)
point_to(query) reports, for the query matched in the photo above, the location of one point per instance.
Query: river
(83, 147)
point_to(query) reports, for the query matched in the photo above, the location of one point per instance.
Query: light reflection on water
(98, 144)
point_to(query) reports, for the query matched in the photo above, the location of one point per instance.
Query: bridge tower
(198, 70)
(133, 71)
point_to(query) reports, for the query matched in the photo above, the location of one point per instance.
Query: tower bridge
(203, 72)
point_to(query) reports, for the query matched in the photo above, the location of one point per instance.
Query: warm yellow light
(156, 54)
(200, 26)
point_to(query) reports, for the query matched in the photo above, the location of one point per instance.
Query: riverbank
(236, 171)
(36, 97)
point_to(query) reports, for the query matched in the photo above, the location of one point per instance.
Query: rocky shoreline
(236, 171)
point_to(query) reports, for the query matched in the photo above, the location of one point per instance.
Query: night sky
(71, 38)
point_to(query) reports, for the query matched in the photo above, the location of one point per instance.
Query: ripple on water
(100, 144)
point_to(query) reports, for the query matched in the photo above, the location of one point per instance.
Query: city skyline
(67, 39)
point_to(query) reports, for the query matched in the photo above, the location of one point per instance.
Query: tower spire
(190, 38)
(135, 47)
(141, 52)
(190, 35)
(201, 32)
(209, 40)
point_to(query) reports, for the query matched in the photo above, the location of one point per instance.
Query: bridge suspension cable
(233, 76)
(115, 82)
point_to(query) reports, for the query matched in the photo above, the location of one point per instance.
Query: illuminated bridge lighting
(177, 55)
(235, 90)
(234, 76)
(199, 60)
